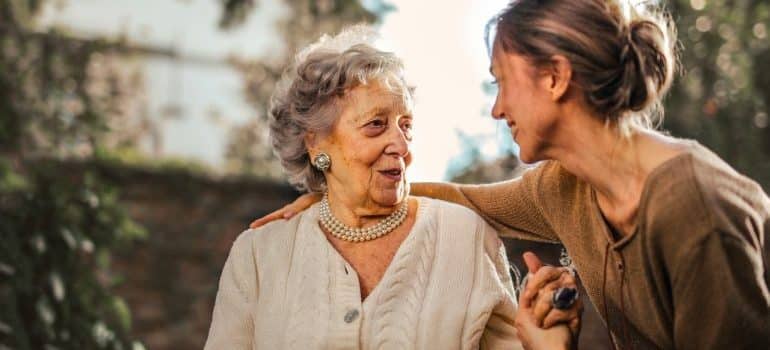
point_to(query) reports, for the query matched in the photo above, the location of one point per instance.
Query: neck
(612, 164)
(358, 211)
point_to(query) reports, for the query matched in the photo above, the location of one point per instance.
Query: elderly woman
(369, 266)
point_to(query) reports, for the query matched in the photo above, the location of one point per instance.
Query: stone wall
(170, 279)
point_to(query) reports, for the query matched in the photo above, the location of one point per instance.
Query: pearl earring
(322, 162)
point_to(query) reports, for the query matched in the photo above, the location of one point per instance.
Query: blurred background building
(133, 141)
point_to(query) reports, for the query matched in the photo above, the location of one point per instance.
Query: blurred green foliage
(722, 97)
(58, 98)
(56, 235)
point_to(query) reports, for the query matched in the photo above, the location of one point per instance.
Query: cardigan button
(351, 316)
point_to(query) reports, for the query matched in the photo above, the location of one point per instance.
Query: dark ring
(564, 298)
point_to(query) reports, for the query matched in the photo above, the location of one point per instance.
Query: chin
(391, 196)
(526, 159)
(528, 156)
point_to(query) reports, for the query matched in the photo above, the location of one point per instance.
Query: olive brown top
(694, 273)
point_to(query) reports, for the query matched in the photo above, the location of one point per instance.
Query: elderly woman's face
(370, 147)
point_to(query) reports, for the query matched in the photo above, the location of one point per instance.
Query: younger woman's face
(524, 102)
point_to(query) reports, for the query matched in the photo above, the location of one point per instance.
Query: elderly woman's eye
(407, 129)
(374, 127)
(377, 123)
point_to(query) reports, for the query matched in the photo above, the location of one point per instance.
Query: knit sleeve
(500, 332)
(232, 324)
(514, 207)
(720, 296)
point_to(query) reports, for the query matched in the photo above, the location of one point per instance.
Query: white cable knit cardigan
(448, 287)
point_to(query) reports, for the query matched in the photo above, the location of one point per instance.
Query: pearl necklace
(355, 234)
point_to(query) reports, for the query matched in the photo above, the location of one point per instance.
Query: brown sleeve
(721, 300)
(512, 207)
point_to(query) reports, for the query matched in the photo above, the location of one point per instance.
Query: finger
(543, 302)
(524, 303)
(278, 214)
(523, 318)
(304, 201)
(532, 261)
(537, 281)
(545, 296)
(542, 306)
(525, 306)
(556, 316)
(548, 274)
(568, 279)
(567, 316)
(526, 299)
(296, 206)
(565, 281)
(574, 327)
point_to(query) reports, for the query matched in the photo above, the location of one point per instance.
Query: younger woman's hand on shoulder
(301, 203)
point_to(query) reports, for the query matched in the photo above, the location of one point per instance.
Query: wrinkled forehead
(379, 97)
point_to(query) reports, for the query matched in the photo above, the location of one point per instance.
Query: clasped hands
(539, 324)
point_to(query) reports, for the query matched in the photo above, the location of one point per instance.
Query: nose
(398, 142)
(497, 110)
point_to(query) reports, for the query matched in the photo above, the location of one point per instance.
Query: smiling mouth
(513, 128)
(392, 174)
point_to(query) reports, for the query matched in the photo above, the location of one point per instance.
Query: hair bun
(646, 67)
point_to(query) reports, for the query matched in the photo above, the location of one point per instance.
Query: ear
(559, 77)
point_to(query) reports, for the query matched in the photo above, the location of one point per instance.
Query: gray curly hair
(310, 95)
